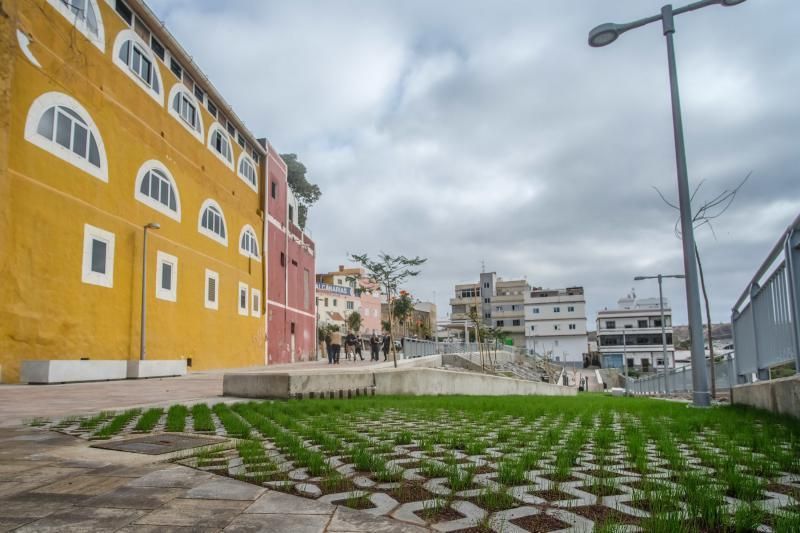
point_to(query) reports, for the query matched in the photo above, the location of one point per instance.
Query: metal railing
(421, 348)
(679, 380)
(766, 330)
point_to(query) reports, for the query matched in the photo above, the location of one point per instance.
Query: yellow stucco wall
(46, 311)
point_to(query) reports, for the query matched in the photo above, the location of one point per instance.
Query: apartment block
(630, 334)
(110, 125)
(555, 324)
(497, 302)
(344, 291)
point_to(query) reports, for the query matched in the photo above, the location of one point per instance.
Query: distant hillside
(718, 331)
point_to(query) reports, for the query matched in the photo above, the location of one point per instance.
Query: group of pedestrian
(352, 346)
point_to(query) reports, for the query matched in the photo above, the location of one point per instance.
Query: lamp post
(606, 34)
(151, 225)
(660, 277)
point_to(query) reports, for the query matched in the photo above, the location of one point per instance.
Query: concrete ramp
(414, 381)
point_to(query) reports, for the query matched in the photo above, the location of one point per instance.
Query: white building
(632, 333)
(555, 324)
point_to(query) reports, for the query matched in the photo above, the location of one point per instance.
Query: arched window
(133, 57)
(248, 244)
(85, 16)
(156, 188)
(59, 124)
(211, 222)
(186, 110)
(247, 171)
(220, 144)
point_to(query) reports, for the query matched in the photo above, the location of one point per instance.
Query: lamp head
(604, 34)
(731, 3)
(153, 225)
(639, 278)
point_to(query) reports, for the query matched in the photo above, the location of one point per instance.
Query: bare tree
(705, 215)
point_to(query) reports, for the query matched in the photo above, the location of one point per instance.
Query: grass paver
(730, 468)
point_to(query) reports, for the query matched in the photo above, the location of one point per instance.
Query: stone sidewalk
(54, 482)
(19, 403)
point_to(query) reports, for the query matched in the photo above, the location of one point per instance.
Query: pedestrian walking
(358, 342)
(336, 345)
(329, 348)
(349, 346)
(375, 346)
(386, 341)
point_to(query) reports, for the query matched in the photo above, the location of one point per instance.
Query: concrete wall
(778, 395)
(434, 381)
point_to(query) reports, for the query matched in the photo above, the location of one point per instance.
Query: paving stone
(12, 488)
(28, 508)
(278, 523)
(174, 476)
(46, 474)
(134, 498)
(10, 524)
(352, 521)
(308, 490)
(225, 489)
(82, 519)
(281, 503)
(187, 512)
(83, 485)
(167, 529)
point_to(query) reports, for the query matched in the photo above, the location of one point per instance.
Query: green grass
(116, 424)
(176, 418)
(201, 415)
(148, 420)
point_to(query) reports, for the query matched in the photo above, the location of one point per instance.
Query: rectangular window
(231, 129)
(291, 328)
(212, 109)
(556, 309)
(158, 48)
(242, 298)
(556, 327)
(533, 328)
(515, 323)
(572, 326)
(212, 290)
(487, 315)
(486, 300)
(98, 257)
(335, 303)
(124, 12)
(166, 277)
(291, 213)
(283, 259)
(175, 67)
(500, 323)
(240, 140)
(656, 322)
(326, 302)
(141, 29)
(256, 301)
(274, 189)
(611, 324)
(350, 305)
(294, 263)
(535, 310)
(642, 323)
(198, 92)
(571, 309)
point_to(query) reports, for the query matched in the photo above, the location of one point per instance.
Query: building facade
(630, 334)
(343, 291)
(499, 303)
(555, 324)
(421, 323)
(109, 126)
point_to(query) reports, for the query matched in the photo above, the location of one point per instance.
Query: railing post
(791, 249)
(763, 374)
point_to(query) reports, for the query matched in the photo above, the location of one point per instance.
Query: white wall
(566, 349)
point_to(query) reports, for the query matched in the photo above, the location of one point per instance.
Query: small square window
(255, 298)
(166, 277)
(98, 257)
(242, 299)
(231, 129)
(212, 290)
(571, 309)
(158, 48)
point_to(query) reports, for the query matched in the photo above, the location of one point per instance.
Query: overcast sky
(470, 132)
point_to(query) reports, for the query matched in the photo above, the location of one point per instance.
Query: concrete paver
(278, 523)
(135, 498)
(81, 519)
(226, 489)
(279, 502)
(188, 512)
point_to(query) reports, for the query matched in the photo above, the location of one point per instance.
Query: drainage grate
(158, 444)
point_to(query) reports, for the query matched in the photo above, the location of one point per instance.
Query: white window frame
(255, 301)
(207, 232)
(180, 88)
(41, 105)
(243, 157)
(99, 40)
(150, 202)
(210, 274)
(248, 253)
(170, 295)
(130, 35)
(216, 126)
(243, 288)
(91, 234)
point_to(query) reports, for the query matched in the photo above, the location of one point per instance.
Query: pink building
(291, 309)
(344, 291)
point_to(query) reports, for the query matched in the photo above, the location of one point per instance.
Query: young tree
(354, 322)
(403, 309)
(389, 272)
(704, 216)
(307, 193)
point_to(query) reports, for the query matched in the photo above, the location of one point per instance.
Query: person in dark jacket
(375, 346)
(329, 348)
(357, 340)
(386, 342)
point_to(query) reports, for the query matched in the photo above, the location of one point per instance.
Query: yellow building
(107, 126)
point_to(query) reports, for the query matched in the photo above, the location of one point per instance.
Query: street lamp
(151, 225)
(606, 34)
(659, 277)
